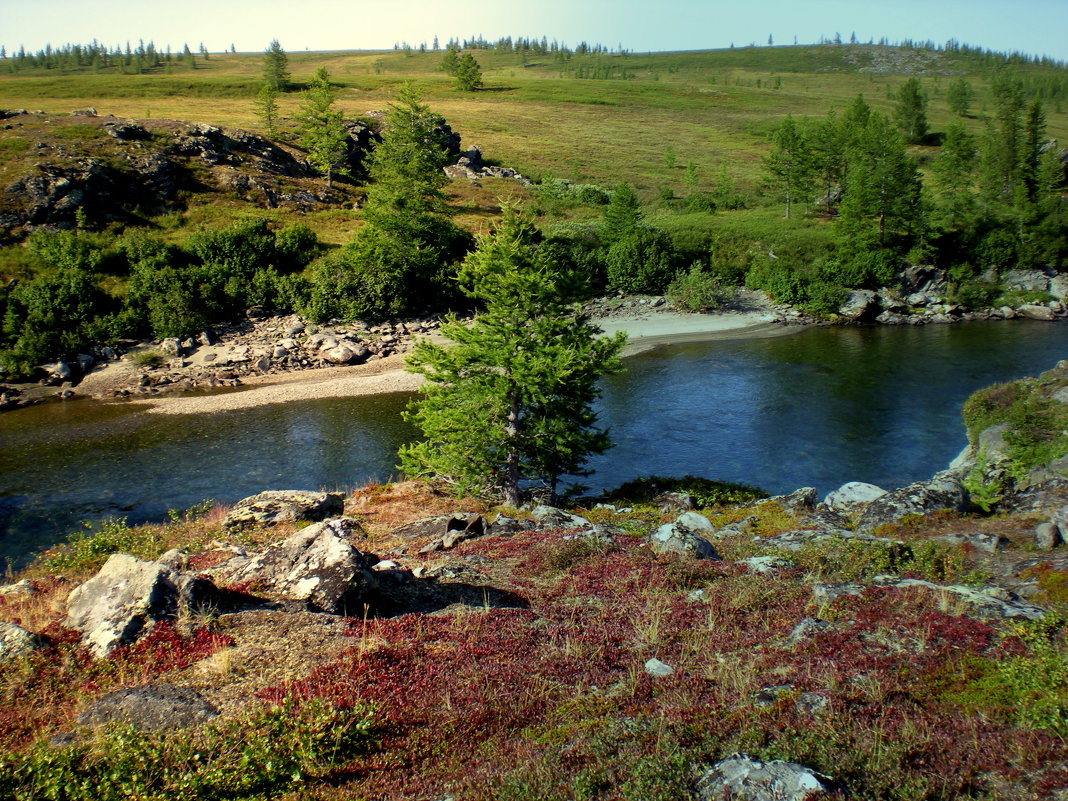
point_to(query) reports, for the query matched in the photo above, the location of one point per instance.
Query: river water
(818, 407)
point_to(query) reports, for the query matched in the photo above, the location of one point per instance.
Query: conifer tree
(468, 73)
(322, 131)
(910, 111)
(959, 97)
(276, 67)
(266, 107)
(789, 163)
(509, 400)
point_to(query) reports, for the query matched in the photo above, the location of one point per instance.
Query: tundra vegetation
(803, 171)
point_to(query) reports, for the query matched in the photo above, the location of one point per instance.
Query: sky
(1035, 27)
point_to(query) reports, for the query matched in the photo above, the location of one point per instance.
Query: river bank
(647, 326)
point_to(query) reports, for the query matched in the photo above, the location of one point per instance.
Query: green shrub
(697, 290)
(296, 247)
(704, 491)
(974, 294)
(1019, 297)
(640, 262)
(87, 550)
(260, 754)
(64, 250)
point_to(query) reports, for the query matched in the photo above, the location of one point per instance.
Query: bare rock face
(151, 708)
(284, 506)
(943, 491)
(744, 779)
(315, 566)
(124, 598)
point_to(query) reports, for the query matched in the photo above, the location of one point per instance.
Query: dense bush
(641, 262)
(697, 290)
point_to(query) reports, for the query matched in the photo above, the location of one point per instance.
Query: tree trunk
(510, 473)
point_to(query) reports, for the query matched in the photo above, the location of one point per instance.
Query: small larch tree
(322, 129)
(789, 163)
(468, 73)
(910, 112)
(276, 67)
(508, 401)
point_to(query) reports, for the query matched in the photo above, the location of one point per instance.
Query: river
(818, 407)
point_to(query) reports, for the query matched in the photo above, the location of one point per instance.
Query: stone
(1025, 280)
(766, 564)
(151, 708)
(672, 539)
(170, 346)
(799, 501)
(673, 501)
(1034, 311)
(346, 353)
(551, 516)
(986, 603)
(828, 593)
(125, 597)
(942, 491)
(658, 669)
(16, 642)
(284, 506)
(806, 629)
(1047, 536)
(740, 778)
(58, 371)
(315, 566)
(694, 522)
(860, 304)
(987, 542)
(851, 495)
(23, 589)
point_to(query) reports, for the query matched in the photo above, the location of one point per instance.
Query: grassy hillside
(713, 108)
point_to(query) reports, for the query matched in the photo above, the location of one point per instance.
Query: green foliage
(623, 216)
(65, 250)
(910, 111)
(87, 550)
(266, 108)
(697, 290)
(468, 73)
(1037, 424)
(276, 67)
(450, 60)
(704, 492)
(262, 753)
(959, 96)
(321, 128)
(510, 399)
(789, 163)
(641, 261)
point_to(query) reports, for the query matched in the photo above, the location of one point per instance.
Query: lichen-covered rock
(943, 491)
(851, 495)
(16, 642)
(284, 506)
(119, 602)
(982, 603)
(740, 778)
(672, 538)
(315, 566)
(151, 708)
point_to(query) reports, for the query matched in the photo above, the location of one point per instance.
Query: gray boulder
(151, 708)
(982, 603)
(346, 353)
(284, 506)
(315, 566)
(694, 522)
(672, 538)
(1035, 311)
(943, 491)
(16, 642)
(118, 603)
(1047, 536)
(551, 516)
(743, 779)
(860, 304)
(800, 501)
(851, 495)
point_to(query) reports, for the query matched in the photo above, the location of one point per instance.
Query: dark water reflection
(819, 407)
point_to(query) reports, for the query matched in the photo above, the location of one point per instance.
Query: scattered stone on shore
(284, 506)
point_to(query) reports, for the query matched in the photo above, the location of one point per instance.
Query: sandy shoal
(387, 375)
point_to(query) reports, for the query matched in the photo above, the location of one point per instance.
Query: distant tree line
(98, 57)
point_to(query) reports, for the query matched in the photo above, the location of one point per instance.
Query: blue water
(818, 407)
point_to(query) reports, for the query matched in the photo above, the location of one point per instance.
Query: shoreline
(646, 332)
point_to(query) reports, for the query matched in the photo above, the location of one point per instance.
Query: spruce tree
(789, 164)
(468, 73)
(509, 400)
(959, 97)
(910, 112)
(266, 107)
(276, 67)
(322, 129)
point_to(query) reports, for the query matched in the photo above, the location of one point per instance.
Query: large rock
(860, 304)
(122, 600)
(852, 494)
(673, 538)
(151, 708)
(284, 506)
(943, 491)
(315, 566)
(1035, 311)
(740, 778)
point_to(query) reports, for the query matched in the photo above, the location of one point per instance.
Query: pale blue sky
(1032, 26)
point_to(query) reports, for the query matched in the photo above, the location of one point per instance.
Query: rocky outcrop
(316, 567)
(943, 491)
(682, 538)
(128, 596)
(743, 779)
(851, 496)
(284, 506)
(469, 166)
(151, 708)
